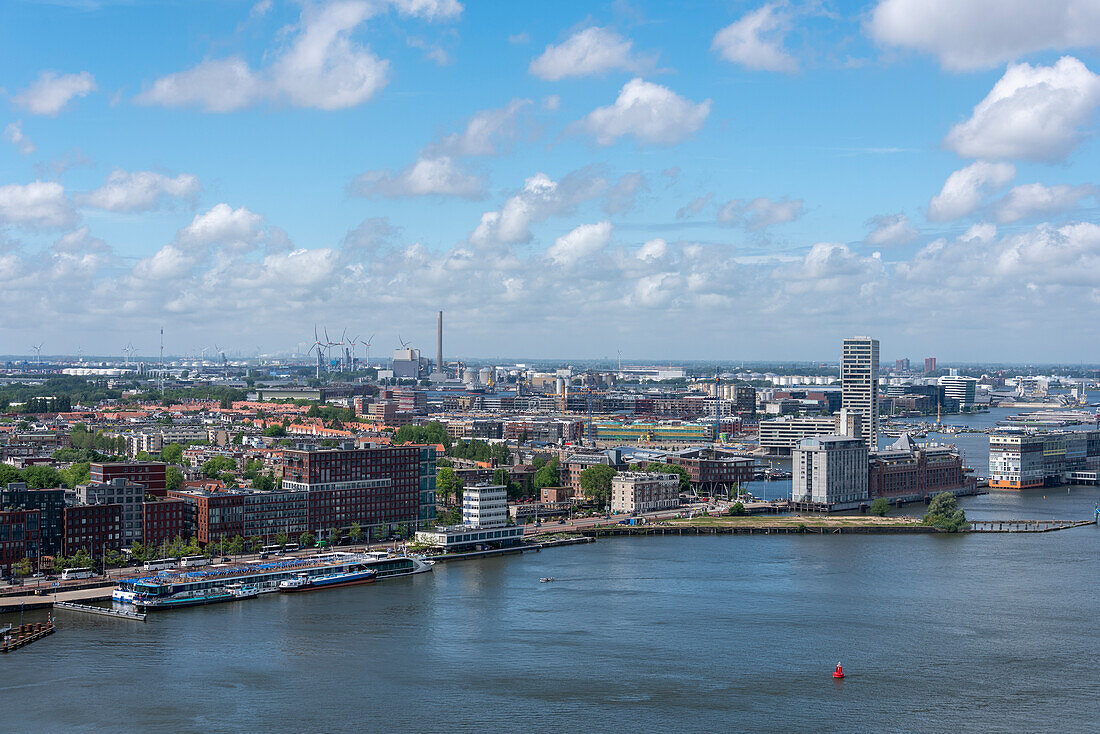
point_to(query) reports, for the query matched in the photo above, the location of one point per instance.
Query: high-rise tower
(859, 383)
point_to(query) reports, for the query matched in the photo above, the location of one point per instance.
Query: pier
(1024, 526)
(102, 611)
(25, 635)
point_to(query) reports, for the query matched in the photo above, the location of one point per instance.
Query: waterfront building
(1023, 460)
(654, 432)
(710, 473)
(484, 522)
(50, 503)
(151, 474)
(162, 521)
(485, 506)
(577, 463)
(119, 491)
(961, 389)
(830, 470)
(19, 538)
(639, 492)
(859, 383)
(909, 472)
(93, 528)
(781, 435)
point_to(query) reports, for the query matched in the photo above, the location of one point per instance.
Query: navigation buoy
(839, 672)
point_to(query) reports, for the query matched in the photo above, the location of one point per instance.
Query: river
(967, 633)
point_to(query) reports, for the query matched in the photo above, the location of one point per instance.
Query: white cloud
(891, 230)
(652, 250)
(430, 10)
(425, 177)
(583, 242)
(222, 225)
(321, 67)
(1032, 200)
(13, 133)
(138, 191)
(963, 190)
(756, 40)
(169, 263)
(981, 34)
(1033, 112)
(648, 112)
(41, 204)
(488, 132)
(693, 207)
(551, 103)
(588, 52)
(432, 51)
(260, 9)
(50, 92)
(541, 197)
(760, 212)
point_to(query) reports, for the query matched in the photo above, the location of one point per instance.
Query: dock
(510, 550)
(25, 635)
(1024, 526)
(102, 611)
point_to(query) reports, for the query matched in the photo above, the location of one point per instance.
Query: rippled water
(971, 633)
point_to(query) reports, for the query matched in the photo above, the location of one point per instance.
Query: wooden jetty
(102, 611)
(26, 634)
(1024, 526)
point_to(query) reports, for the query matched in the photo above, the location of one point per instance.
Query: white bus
(194, 561)
(160, 564)
(77, 573)
(291, 547)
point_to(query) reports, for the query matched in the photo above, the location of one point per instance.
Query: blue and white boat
(351, 577)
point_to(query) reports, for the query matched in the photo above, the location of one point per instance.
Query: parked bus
(77, 573)
(272, 548)
(194, 561)
(290, 547)
(160, 564)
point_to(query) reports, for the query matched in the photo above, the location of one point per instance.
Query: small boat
(546, 579)
(839, 672)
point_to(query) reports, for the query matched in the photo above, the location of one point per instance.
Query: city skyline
(747, 181)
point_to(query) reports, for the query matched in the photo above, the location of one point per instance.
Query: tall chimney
(439, 346)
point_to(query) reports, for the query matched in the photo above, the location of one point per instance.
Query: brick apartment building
(153, 474)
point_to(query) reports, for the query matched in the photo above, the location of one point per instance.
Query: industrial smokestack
(439, 346)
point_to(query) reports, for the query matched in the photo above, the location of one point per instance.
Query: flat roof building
(830, 470)
(859, 383)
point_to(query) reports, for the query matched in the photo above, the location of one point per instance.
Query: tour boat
(190, 598)
(350, 577)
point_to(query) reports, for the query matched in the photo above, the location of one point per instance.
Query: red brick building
(910, 472)
(153, 474)
(710, 474)
(162, 521)
(94, 528)
(19, 538)
(211, 516)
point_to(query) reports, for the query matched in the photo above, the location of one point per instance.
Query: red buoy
(839, 672)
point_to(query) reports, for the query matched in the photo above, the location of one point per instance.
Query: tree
(431, 432)
(379, 533)
(306, 540)
(276, 430)
(880, 506)
(548, 475)
(944, 513)
(236, 546)
(402, 531)
(22, 568)
(737, 509)
(685, 478)
(263, 483)
(596, 483)
(281, 540)
(447, 485)
(78, 473)
(173, 478)
(333, 536)
(172, 453)
(41, 477)
(355, 532)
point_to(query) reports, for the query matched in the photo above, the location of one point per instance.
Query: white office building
(638, 492)
(485, 506)
(963, 389)
(484, 523)
(859, 383)
(830, 470)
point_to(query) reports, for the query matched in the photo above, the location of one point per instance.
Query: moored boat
(304, 582)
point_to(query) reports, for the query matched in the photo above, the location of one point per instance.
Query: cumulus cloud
(652, 250)
(37, 205)
(321, 67)
(138, 191)
(761, 212)
(1036, 200)
(50, 92)
(588, 52)
(756, 40)
(648, 112)
(964, 189)
(440, 176)
(13, 133)
(981, 34)
(488, 132)
(222, 225)
(583, 242)
(541, 197)
(693, 207)
(169, 263)
(1033, 112)
(890, 230)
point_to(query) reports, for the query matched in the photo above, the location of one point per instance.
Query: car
(226, 559)
(264, 556)
(38, 575)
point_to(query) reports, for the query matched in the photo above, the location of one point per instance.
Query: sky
(668, 180)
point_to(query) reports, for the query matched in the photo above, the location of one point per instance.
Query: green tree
(737, 509)
(880, 506)
(78, 473)
(431, 432)
(548, 475)
(685, 478)
(41, 477)
(355, 532)
(281, 540)
(447, 485)
(276, 430)
(236, 546)
(596, 483)
(263, 483)
(216, 465)
(379, 533)
(944, 513)
(22, 568)
(172, 453)
(307, 540)
(173, 478)
(333, 536)
(138, 551)
(402, 531)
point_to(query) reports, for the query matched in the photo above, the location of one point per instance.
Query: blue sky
(702, 180)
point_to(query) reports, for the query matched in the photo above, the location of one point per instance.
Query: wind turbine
(319, 346)
(129, 349)
(366, 349)
(37, 354)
